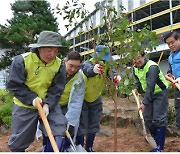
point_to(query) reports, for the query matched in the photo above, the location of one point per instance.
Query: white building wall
(98, 17)
(147, 1)
(3, 74)
(136, 4)
(125, 4)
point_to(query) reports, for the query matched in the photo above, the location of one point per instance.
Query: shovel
(47, 127)
(173, 81)
(147, 136)
(73, 147)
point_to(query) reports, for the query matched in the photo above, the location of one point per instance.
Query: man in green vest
(72, 98)
(151, 82)
(37, 75)
(92, 106)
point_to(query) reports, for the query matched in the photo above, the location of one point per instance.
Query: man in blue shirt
(173, 41)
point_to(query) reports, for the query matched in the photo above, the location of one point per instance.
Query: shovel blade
(151, 141)
(79, 148)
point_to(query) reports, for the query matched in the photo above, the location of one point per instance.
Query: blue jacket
(174, 61)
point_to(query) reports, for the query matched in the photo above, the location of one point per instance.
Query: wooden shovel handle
(47, 127)
(138, 104)
(173, 81)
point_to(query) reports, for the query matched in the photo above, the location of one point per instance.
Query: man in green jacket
(72, 98)
(37, 75)
(92, 106)
(151, 82)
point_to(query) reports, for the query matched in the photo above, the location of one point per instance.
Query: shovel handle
(138, 104)
(47, 127)
(140, 112)
(173, 81)
(148, 138)
(71, 141)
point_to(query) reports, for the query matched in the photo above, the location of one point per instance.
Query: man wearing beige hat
(37, 75)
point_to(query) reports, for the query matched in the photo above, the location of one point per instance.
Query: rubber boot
(153, 134)
(47, 144)
(89, 142)
(80, 140)
(160, 139)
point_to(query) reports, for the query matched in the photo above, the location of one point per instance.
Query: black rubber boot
(80, 140)
(89, 142)
(47, 144)
(160, 139)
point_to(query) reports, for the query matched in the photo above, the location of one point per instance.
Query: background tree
(119, 37)
(29, 19)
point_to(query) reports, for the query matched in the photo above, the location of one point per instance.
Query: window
(175, 3)
(77, 48)
(161, 21)
(102, 29)
(77, 40)
(176, 16)
(141, 25)
(159, 6)
(82, 37)
(142, 13)
(71, 42)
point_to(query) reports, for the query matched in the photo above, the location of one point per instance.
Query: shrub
(5, 96)
(171, 115)
(6, 101)
(5, 114)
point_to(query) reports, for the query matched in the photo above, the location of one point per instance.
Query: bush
(6, 101)
(171, 115)
(5, 114)
(5, 97)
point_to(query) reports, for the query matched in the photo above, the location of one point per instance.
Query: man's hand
(98, 69)
(36, 99)
(171, 76)
(173, 81)
(117, 79)
(142, 106)
(46, 109)
(70, 129)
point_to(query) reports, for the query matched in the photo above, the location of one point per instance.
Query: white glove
(117, 79)
(177, 80)
(36, 99)
(98, 69)
(46, 109)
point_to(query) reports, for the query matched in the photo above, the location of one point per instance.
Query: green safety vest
(141, 74)
(94, 86)
(39, 83)
(67, 90)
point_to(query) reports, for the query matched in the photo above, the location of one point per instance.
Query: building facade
(161, 15)
(3, 74)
